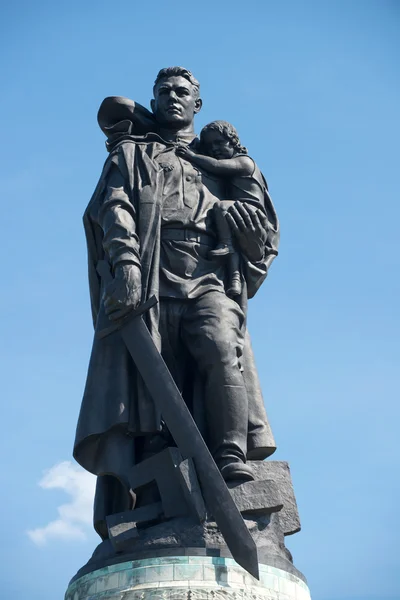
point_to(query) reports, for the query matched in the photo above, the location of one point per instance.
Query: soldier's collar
(176, 138)
(185, 138)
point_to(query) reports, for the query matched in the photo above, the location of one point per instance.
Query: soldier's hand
(250, 227)
(124, 292)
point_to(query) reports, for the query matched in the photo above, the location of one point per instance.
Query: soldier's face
(175, 102)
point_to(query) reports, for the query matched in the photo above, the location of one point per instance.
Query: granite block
(87, 588)
(195, 578)
(302, 593)
(147, 586)
(257, 497)
(221, 574)
(136, 576)
(209, 573)
(186, 572)
(270, 581)
(235, 576)
(164, 560)
(199, 560)
(122, 566)
(160, 573)
(287, 587)
(203, 585)
(107, 582)
(124, 578)
(220, 560)
(279, 473)
(177, 584)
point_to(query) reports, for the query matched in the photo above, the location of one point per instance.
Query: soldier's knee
(220, 349)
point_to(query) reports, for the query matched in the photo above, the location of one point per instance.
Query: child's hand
(184, 151)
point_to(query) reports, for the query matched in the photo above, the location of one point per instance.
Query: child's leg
(225, 244)
(235, 283)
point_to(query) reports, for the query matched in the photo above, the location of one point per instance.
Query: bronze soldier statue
(152, 219)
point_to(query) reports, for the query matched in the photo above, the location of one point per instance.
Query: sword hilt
(103, 269)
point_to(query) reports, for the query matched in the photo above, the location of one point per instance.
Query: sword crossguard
(103, 269)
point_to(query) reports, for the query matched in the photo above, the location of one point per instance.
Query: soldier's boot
(227, 435)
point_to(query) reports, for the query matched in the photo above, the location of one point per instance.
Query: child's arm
(229, 167)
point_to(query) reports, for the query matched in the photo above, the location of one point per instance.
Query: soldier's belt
(187, 235)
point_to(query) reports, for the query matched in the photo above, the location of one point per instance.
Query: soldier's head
(176, 98)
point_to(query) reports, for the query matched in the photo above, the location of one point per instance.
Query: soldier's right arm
(117, 218)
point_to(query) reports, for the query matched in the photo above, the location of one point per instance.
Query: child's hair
(227, 130)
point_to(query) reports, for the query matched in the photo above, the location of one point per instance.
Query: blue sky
(314, 91)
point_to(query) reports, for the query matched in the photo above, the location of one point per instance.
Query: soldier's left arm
(257, 236)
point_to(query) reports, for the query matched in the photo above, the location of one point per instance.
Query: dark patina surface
(172, 419)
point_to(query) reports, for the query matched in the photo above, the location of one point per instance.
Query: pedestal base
(186, 578)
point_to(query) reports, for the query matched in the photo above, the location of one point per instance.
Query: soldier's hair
(178, 72)
(225, 129)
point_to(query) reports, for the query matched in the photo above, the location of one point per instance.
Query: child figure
(227, 158)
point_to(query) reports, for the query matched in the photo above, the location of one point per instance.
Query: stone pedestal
(150, 554)
(187, 578)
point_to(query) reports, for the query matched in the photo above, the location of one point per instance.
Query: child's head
(220, 140)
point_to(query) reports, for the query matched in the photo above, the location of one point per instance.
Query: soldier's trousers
(207, 332)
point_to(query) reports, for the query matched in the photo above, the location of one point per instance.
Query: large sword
(183, 429)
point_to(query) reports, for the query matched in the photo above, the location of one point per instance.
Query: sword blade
(180, 423)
